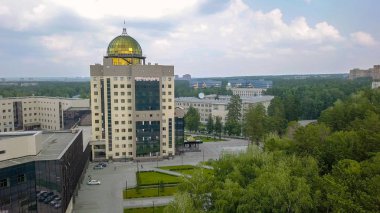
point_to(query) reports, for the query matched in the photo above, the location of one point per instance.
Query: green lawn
(185, 169)
(153, 178)
(157, 209)
(149, 192)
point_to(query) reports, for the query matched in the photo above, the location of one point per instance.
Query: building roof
(54, 145)
(124, 45)
(225, 99)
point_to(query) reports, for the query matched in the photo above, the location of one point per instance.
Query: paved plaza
(107, 197)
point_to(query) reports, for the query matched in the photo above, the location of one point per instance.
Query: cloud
(200, 37)
(363, 38)
(142, 9)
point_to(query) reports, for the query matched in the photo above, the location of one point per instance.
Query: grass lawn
(152, 178)
(157, 209)
(185, 169)
(149, 192)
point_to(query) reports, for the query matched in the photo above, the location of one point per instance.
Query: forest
(332, 165)
(52, 89)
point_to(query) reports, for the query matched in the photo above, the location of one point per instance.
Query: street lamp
(126, 187)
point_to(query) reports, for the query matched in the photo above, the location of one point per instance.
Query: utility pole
(126, 188)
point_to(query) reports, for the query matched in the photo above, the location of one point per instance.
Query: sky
(204, 38)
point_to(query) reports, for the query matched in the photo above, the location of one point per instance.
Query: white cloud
(96, 9)
(363, 38)
(239, 31)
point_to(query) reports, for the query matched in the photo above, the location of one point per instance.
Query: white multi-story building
(218, 107)
(133, 112)
(28, 113)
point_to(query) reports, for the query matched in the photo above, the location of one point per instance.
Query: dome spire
(124, 30)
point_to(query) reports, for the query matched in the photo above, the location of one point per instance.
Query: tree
(210, 124)
(218, 126)
(254, 123)
(192, 118)
(233, 125)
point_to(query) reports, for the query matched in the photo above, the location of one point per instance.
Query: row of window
(20, 178)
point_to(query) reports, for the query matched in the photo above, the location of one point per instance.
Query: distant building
(218, 107)
(33, 163)
(247, 92)
(243, 83)
(207, 83)
(373, 73)
(35, 113)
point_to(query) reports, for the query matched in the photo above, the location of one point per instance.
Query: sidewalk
(147, 202)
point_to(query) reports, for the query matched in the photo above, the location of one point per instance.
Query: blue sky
(204, 38)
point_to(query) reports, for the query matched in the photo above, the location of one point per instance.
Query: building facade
(373, 73)
(30, 113)
(35, 165)
(247, 92)
(132, 104)
(218, 107)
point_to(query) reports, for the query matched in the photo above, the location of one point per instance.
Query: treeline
(183, 89)
(304, 99)
(53, 89)
(329, 166)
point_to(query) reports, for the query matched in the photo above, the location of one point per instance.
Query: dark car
(103, 164)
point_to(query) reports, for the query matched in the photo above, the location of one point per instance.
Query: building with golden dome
(132, 104)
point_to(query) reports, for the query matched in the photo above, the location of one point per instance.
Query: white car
(93, 182)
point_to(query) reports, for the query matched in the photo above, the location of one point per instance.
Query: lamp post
(157, 159)
(153, 206)
(203, 152)
(126, 187)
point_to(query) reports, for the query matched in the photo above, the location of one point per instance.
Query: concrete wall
(20, 146)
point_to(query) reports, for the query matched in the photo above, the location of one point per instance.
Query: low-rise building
(217, 105)
(37, 168)
(33, 113)
(247, 92)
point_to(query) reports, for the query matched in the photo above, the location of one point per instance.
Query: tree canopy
(322, 167)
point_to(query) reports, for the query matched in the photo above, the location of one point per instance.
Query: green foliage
(218, 126)
(233, 122)
(53, 89)
(307, 98)
(210, 124)
(192, 118)
(331, 166)
(254, 123)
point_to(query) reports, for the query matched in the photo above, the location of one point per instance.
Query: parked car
(98, 167)
(103, 164)
(55, 201)
(58, 205)
(93, 182)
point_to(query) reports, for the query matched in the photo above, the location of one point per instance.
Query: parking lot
(107, 197)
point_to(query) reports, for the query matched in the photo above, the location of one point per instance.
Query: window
(169, 86)
(122, 85)
(115, 86)
(128, 86)
(21, 178)
(4, 183)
